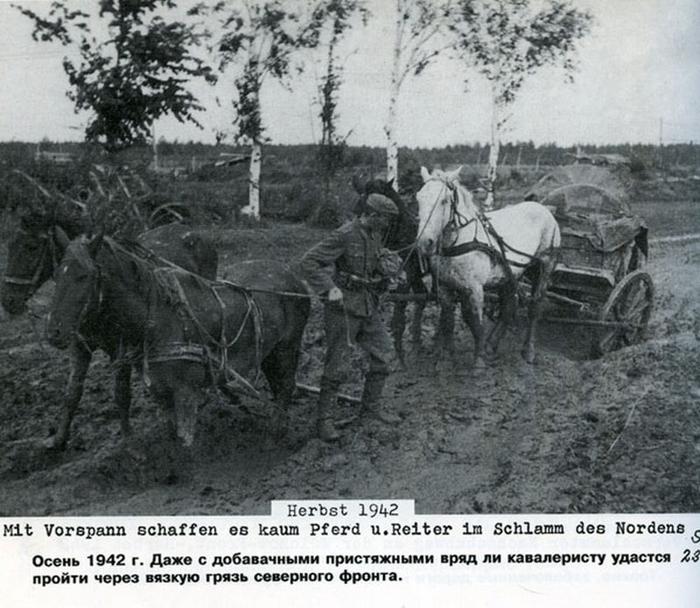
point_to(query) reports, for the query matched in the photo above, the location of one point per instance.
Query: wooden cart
(600, 279)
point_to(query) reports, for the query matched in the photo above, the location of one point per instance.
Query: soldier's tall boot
(324, 415)
(372, 400)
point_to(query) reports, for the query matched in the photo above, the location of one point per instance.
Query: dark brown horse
(36, 247)
(34, 252)
(400, 237)
(188, 333)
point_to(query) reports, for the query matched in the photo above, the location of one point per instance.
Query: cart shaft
(589, 322)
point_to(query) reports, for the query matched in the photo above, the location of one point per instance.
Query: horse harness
(48, 238)
(458, 221)
(214, 350)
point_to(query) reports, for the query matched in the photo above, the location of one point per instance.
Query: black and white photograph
(445, 251)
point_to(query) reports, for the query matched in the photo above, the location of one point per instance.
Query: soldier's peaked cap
(382, 204)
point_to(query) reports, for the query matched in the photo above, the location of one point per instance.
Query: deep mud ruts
(569, 434)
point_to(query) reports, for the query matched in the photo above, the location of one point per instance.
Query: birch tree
(418, 39)
(135, 64)
(260, 38)
(335, 18)
(509, 40)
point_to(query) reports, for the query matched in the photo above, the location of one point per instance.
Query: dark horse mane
(152, 274)
(127, 256)
(69, 216)
(161, 279)
(404, 229)
(142, 263)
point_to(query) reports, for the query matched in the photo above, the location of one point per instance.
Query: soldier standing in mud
(352, 312)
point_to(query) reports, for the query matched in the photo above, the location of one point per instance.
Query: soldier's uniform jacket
(353, 255)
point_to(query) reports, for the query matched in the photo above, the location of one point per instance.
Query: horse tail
(551, 235)
(556, 235)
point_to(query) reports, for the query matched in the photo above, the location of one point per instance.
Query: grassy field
(293, 189)
(670, 218)
(279, 241)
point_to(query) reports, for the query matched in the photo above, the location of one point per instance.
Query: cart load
(604, 246)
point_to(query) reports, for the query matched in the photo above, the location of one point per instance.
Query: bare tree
(418, 40)
(509, 40)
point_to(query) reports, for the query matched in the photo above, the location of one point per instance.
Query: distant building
(168, 166)
(603, 160)
(58, 158)
(229, 160)
(180, 166)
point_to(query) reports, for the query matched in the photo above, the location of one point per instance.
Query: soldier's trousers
(343, 330)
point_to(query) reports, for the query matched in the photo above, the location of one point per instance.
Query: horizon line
(484, 144)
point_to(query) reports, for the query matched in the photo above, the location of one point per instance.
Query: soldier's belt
(352, 282)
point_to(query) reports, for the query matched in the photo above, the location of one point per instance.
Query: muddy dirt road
(566, 435)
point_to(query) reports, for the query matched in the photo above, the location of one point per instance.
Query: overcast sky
(639, 67)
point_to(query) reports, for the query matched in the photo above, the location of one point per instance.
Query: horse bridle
(48, 239)
(456, 220)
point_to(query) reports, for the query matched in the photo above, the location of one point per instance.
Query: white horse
(470, 251)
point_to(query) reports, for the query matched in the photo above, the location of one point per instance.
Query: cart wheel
(630, 302)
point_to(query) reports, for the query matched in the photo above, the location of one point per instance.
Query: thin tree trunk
(155, 147)
(494, 149)
(392, 148)
(327, 120)
(252, 209)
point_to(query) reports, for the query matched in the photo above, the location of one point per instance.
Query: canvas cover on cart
(593, 203)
